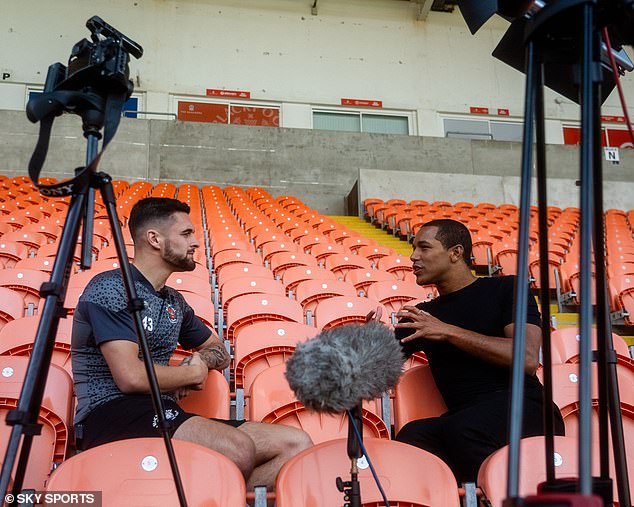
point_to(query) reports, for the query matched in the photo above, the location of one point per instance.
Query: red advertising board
(361, 103)
(613, 119)
(234, 94)
(203, 112)
(503, 112)
(478, 110)
(613, 138)
(255, 116)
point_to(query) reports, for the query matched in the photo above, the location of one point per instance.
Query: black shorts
(130, 416)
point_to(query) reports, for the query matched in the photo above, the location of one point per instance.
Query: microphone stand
(352, 489)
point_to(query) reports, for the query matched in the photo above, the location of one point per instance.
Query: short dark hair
(451, 233)
(153, 209)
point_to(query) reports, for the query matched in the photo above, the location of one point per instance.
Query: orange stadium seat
(410, 476)
(322, 251)
(249, 308)
(310, 292)
(237, 287)
(293, 276)
(363, 278)
(12, 306)
(18, 336)
(416, 397)
(339, 310)
(11, 252)
(374, 252)
(212, 401)
(139, 473)
(398, 265)
(26, 282)
(281, 261)
(271, 400)
(203, 307)
(187, 282)
(341, 264)
(493, 472)
(32, 240)
(44, 264)
(565, 343)
(395, 293)
(230, 257)
(50, 447)
(241, 270)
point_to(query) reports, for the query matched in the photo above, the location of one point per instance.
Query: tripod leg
(135, 305)
(521, 286)
(24, 418)
(544, 266)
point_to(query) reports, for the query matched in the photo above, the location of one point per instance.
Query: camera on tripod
(100, 64)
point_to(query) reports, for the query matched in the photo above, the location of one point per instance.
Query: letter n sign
(612, 155)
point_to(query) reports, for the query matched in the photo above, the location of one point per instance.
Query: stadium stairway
(370, 231)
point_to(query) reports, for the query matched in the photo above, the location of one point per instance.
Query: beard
(178, 262)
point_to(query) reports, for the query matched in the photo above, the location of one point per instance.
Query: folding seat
(110, 252)
(186, 282)
(281, 261)
(622, 292)
(213, 401)
(50, 447)
(32, 240)
(229, 257)
(338, 235)
(375, 252)
(505, 256)
(309, 240)
(341, 264)
(416, 397)
(310, 292)
(384, 215)
(272, 247)
(271, 400)
(139, 473)
(12, 306)
(363, 278)
(51, 231)
(241, 270)
(321, 251)
(11, 252)
(17, 219)
(339, 310)
(293, 276)
(355, 243)
(237, 287)
(565, 343)
(398, 265)
(371, 201)
(27, 283)
(554, 263)
(481, 245)
(203, 308)
(18, 336)
(396, 293)
(263, 345)
(249, 308)
(410, 476)
(492, 476)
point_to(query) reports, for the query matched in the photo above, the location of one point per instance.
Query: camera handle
(24, 418)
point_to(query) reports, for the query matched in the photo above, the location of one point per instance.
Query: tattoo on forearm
(186, 361)
(215, 356)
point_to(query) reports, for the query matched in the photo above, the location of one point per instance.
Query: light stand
(568, 28)
(352, 489)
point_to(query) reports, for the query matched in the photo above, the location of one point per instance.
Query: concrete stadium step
(383, 238)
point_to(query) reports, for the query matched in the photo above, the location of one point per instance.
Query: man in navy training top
(113, 400)
(466, 334)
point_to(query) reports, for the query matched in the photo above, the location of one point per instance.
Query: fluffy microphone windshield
(344, 365)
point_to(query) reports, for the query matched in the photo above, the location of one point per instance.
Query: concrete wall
(283, 55)
(318, 167)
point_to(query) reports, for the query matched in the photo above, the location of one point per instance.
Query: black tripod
(97, 93)
(567, 32)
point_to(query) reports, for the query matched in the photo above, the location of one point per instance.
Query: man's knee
(296, 441)
(242, 452)
(422, 433)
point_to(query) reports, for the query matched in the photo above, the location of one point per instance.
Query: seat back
(213, 401)
(410, 476)
(416, 397)
(136, 472)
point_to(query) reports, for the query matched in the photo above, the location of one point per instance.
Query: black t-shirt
(485, 307)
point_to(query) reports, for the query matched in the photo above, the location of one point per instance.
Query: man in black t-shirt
(466, 334)
(113, 401)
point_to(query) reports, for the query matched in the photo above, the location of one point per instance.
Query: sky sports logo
(55, 498)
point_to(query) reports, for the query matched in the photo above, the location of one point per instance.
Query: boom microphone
(344, 365)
